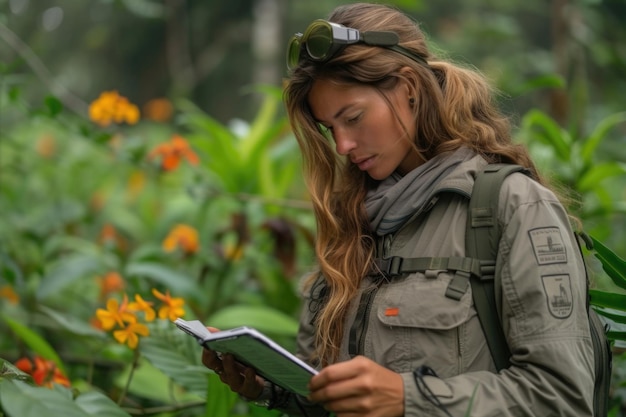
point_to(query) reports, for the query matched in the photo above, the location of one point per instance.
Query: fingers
(241, 379)
(211, 360)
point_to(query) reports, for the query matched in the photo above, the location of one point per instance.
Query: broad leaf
(176, 282)
(265, 319)
(96, 404)
(220, 399)
(22, 400)
(173, 360)
(599, 133)
(70, 323)
(68, 270)
(613, 265)
(599, 172)
(608, 299)
(35, 342)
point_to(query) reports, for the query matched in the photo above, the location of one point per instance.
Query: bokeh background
(147, 172)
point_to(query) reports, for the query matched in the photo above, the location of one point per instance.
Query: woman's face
(364, 126)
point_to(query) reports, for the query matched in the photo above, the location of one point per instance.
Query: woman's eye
(355, 118)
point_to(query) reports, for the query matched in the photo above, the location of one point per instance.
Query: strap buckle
(389, 267)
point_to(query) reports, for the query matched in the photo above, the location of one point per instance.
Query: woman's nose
(344, 143)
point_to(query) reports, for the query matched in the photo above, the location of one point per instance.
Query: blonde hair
(453, 108)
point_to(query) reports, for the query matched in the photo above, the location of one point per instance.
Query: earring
(411, 101)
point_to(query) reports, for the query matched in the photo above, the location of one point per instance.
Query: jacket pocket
(417, 301)
(417, 324)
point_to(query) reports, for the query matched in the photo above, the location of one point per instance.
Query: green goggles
(323, 39)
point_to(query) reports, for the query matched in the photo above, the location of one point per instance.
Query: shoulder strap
(482, 238)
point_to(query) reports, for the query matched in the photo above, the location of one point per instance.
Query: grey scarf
(398, 198)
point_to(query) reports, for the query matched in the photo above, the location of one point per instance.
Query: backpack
(477, 269)
(481, 241)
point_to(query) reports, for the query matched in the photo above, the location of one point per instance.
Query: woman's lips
(365, 164)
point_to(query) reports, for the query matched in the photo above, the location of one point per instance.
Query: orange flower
(109, 237)
(43, 371)
(141, 305)
(9, 293)
(172, 152)
(115, 314)
(158, 109)
(172, 307)
(184, 237)
(46, 146)
(110, 283)
(128, 334)
(110, 107)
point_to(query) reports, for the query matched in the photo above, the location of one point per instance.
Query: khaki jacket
(409, 322)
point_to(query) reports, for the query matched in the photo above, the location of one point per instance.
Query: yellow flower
(128, 334)
(142, 305)
(184, 237)
(172, 307)
(115, 314)
(110, 107)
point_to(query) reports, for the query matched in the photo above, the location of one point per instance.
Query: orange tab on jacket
(392, 311)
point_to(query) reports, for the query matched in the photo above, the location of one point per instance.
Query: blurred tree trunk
(559, 107)
(267, 43)
(569, 31)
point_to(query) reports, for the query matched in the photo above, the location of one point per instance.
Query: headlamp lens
(293, 50)
(323, 39)
(318, 40)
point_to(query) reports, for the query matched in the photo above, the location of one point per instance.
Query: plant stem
(130, 376)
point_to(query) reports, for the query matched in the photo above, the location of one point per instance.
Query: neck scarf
(398, 198)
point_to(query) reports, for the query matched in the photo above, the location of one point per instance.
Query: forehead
(328, 97)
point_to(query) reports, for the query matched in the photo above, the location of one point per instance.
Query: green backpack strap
(482, 238)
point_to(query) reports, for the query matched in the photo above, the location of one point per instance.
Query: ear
(407, 81)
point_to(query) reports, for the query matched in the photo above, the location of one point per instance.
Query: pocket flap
(417, 301)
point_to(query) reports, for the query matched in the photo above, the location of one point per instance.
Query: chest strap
(462, 267)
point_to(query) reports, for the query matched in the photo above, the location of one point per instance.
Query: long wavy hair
(453, 107)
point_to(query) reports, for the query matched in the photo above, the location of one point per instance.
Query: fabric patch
(558, 290)
(548, 245)
(392, 311)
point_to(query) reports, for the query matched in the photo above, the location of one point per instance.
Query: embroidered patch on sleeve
(558, 290)
(548, 245)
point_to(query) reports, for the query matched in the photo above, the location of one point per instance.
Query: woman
(392, 139)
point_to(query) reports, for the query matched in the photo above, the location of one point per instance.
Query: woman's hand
(241, 379)
(359, 387)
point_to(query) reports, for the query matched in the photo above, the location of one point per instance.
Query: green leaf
(176, 282)
(68, 270)
(22, 400)
(599, 172)
(96, 404)
(543, 81)
(35, 342)
(599, 133)
(265, 319)
(618, 318)
(613, 265)
(220, 399)
(168, 357)
(608, 300)
(70, 323)
(616, 335)
(549, 132)
(53, 105)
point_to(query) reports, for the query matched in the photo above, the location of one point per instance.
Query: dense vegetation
(147, 172)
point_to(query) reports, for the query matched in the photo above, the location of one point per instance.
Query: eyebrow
(338, 113)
